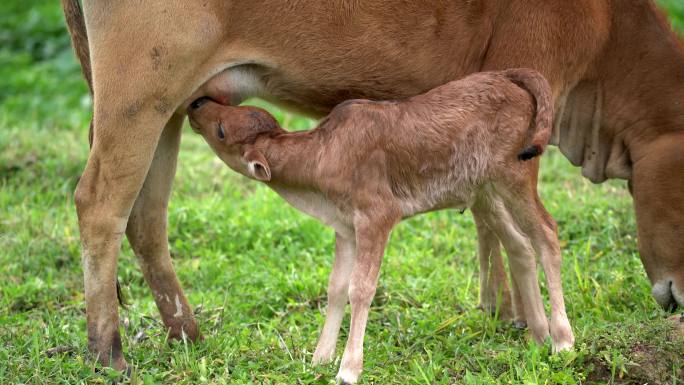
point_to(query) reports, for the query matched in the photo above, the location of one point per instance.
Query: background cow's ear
(257, 165)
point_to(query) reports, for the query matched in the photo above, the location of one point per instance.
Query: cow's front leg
(147, 234)
(658, 185)
(338, 288)
(371, 238)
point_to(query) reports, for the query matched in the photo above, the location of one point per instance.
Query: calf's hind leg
(542, 230)
(147, 234)
(522, 262)
(494, 293)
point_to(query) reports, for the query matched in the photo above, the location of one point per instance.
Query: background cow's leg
(658, 188)
(494, 293)
(146, 232)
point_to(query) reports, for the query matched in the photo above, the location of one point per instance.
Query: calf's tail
(540, 127)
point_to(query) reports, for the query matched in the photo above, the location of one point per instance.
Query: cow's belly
(313, 96)
(311, 63)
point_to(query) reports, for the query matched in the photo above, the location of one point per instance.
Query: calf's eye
(219, 131)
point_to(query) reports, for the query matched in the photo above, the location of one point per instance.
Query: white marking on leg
(179, 308)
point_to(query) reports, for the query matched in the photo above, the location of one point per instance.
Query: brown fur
(370, 164)
(614, 67)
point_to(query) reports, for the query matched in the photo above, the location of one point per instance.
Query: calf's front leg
(371, 238)
(338, 287)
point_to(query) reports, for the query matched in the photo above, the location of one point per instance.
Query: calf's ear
(257, 165)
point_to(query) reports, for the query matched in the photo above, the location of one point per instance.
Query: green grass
(257, 269)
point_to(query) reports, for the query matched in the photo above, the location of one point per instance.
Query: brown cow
(614, 66)
(369, 165)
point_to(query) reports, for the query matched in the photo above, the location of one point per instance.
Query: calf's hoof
(504, 311)
(322, 358)
(346, 377)
(349, 371)
(561, 336)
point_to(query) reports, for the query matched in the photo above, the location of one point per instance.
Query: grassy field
(257, 270)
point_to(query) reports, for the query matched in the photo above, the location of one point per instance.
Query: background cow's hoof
(521, 325)
(189, 331)
(126, 372)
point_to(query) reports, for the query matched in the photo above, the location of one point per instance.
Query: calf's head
(232, 131)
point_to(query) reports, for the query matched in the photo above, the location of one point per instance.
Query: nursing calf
(368, 165)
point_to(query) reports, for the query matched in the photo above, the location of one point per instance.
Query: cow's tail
(539, 88)
(73, 14)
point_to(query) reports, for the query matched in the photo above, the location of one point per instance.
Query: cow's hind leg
(146, 232)
(105, 194)
(138, 84)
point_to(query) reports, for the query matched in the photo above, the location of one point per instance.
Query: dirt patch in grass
(640, 354)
